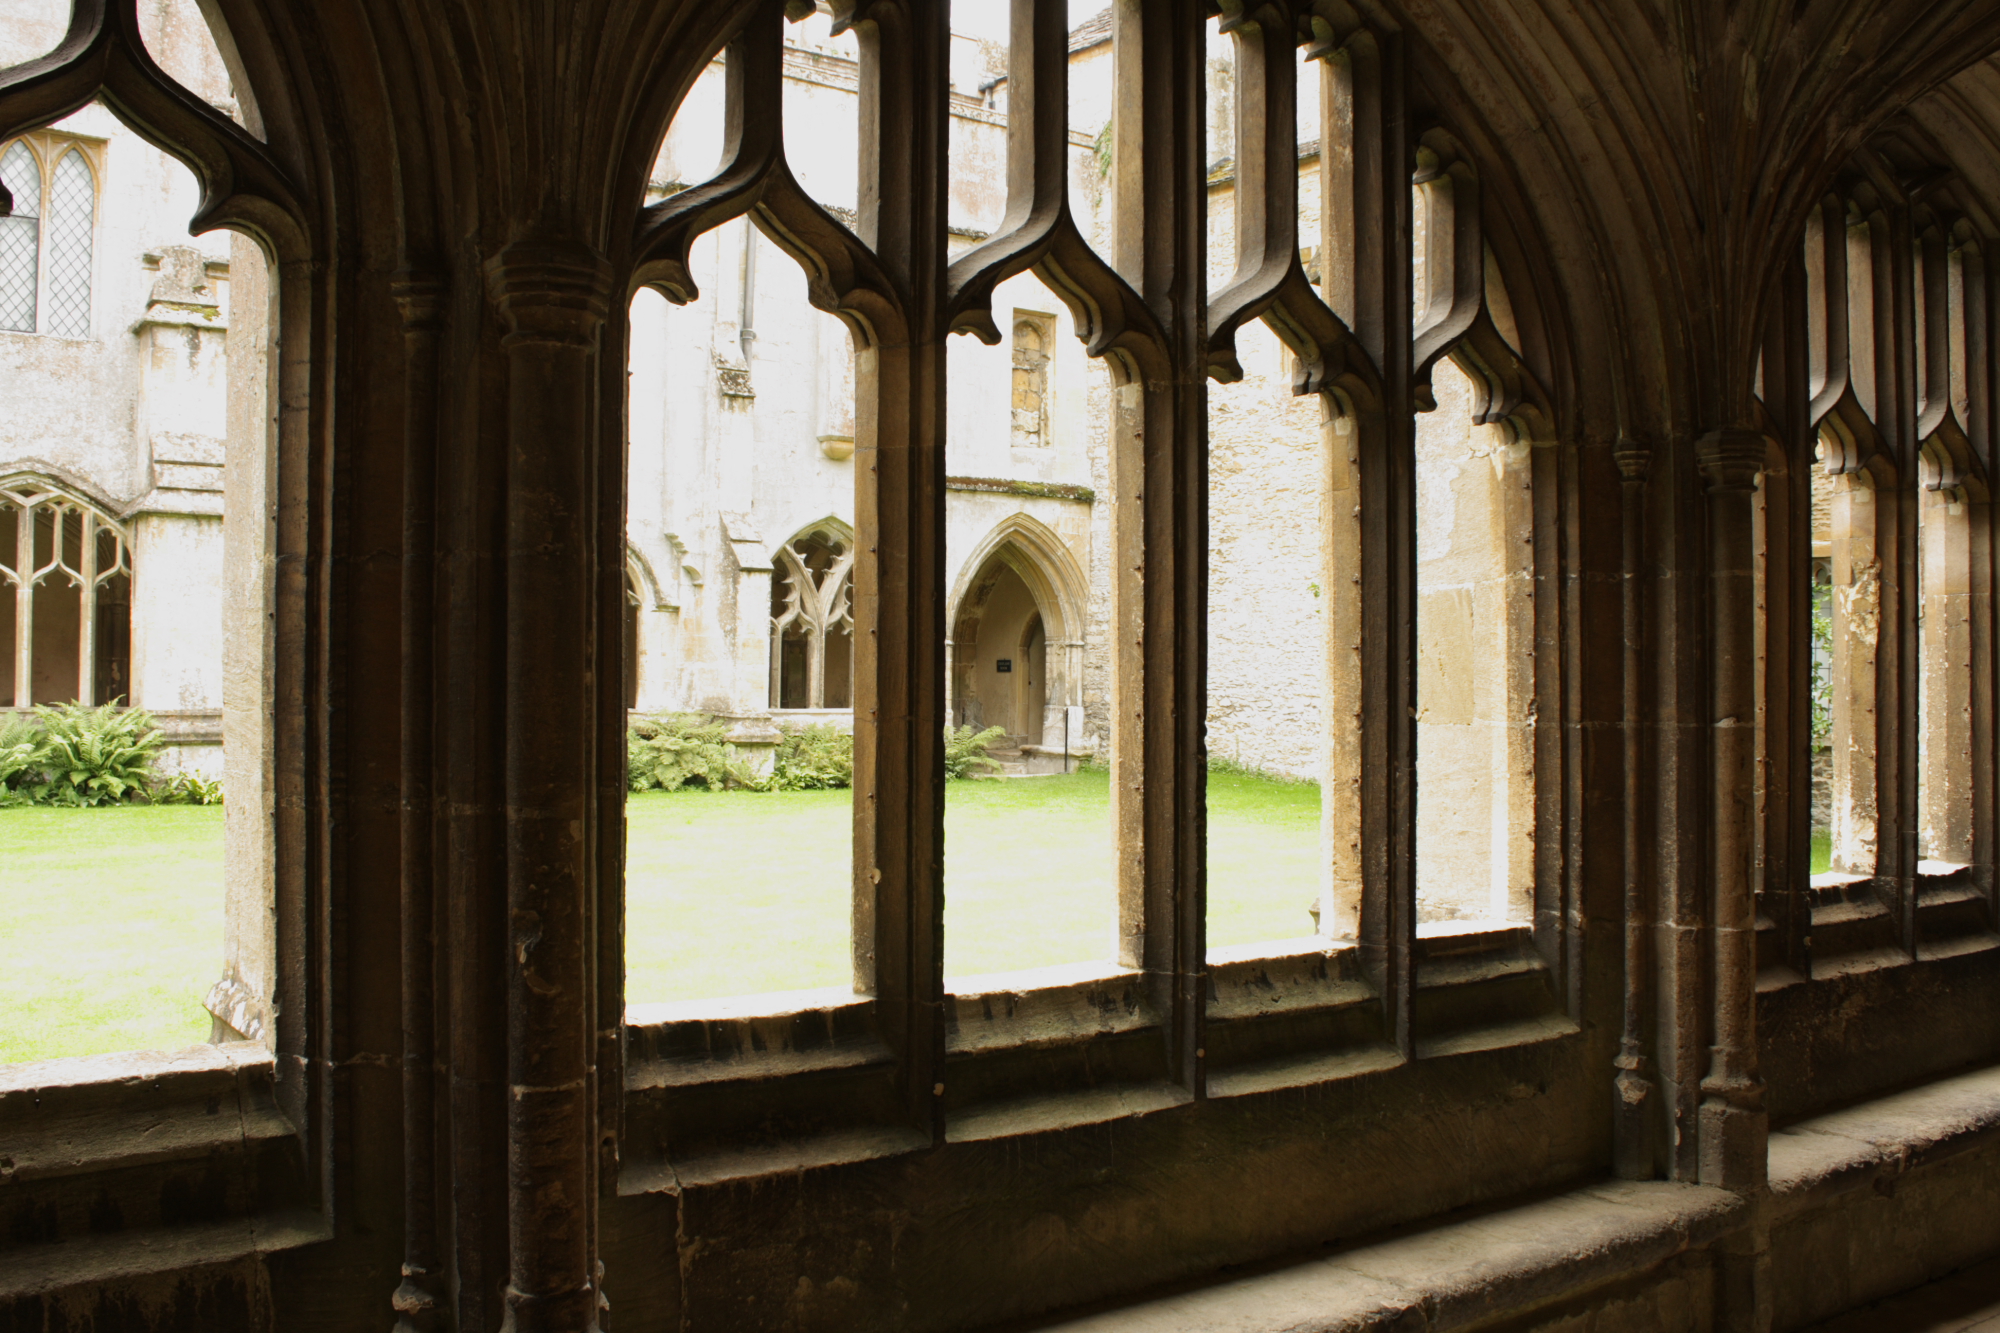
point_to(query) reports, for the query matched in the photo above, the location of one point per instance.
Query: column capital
(1633, 457)
(419, 296)
(550, 291)
(1731, 458)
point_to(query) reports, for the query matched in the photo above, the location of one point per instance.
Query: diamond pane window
(20, 239)
(72, 206)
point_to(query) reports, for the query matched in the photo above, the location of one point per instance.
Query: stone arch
(66, 628)
(642, 584)
(1045, 564)
(812, 617)
(642, 594)
(1047, 641)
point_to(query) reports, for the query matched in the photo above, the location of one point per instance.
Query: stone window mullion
(24, 607)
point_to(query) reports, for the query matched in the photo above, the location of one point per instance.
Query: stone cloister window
(1401, 381)
(1377, 336)
(1876, 560)
(812, 621)
(67, 564)
(136, 567)
(1288, 680)
(1033, 335)
(46, 245)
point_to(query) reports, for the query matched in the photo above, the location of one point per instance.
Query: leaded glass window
(20, 239)
(72, 209)
(47, 243)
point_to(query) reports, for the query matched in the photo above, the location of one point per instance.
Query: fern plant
(677, 750)
(819, 758)
(965, 750)
(94, 756)
(187, 789)
(20, 760)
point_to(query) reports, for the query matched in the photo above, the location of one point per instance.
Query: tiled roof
(1092, 31)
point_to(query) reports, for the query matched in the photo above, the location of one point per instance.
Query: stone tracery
(1647, 375)
(812, 620)
(69, 566)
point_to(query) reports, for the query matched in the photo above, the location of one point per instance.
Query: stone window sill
(1615, 1246)
(152, 1161)
(734, 1089)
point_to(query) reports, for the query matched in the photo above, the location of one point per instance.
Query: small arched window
(67, 625)
(47, 243)
(20, 239)
(1034, 334)
(812, 622)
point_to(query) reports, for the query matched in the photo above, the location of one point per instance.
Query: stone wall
(741, 416)
(1266, 585)
(1475, 665)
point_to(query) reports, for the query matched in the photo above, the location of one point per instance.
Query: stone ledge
(1514, 1261)
(81, 1115)
(1034, 490)
(1867, 1146)
(89, 1264)
(1454, 1276)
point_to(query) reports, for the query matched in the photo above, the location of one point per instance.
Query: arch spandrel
(1038, 232)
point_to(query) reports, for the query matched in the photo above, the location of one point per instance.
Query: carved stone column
(553, 297)
(1732, 1121)
(1159, 444)
(419, 1300)
(1635, 1101)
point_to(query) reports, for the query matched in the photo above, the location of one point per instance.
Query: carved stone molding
(550, 291)
(420, 298)
(1634, 459)
(1730, 458)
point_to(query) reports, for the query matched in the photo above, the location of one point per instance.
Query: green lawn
(113, 928)
(114, 917)
(745, 892)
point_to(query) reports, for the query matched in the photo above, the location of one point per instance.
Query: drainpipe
(747, 297)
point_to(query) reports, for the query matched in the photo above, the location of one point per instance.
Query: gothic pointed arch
(812, 618)
(1043, 560)
(641, 583)
(67, 561)
(1017, 615)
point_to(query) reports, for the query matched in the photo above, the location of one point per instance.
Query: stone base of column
(1633, 1152)
(1734, 1143)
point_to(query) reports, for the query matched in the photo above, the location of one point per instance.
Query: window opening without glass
(68, 621)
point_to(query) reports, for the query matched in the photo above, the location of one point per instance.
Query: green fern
(20, 760)
(186, 789)
(965, 750)
(94, 756)
(676, 750)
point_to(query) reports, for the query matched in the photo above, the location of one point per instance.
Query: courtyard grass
(113, 928)
(738, 893)
(114, 916)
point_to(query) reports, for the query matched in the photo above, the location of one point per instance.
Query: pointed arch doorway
(1016, 645)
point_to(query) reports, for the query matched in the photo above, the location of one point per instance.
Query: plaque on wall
(1004, 664)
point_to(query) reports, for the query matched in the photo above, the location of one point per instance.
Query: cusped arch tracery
(812, 618)
(67, 563)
